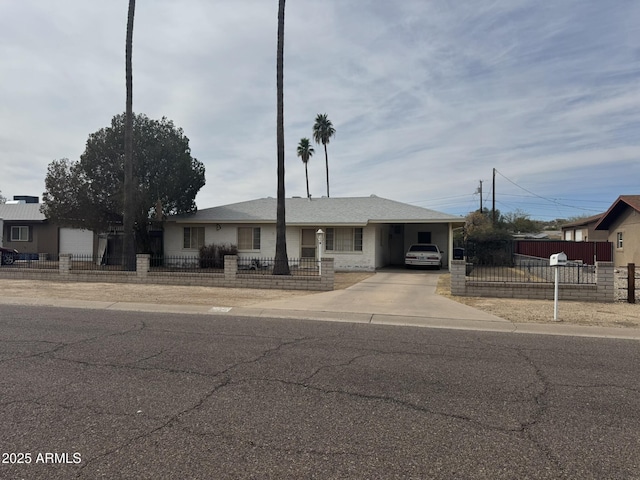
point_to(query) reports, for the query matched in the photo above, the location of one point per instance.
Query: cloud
(426, 97)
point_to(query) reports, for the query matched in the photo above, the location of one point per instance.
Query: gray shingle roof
(319, 211)
(28, 212)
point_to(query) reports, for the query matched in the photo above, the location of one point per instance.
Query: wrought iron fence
(496, 261)
(532, 273)
(186, 264)
(297, 266)
(106, 263)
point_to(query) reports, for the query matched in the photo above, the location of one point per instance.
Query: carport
(400, 236)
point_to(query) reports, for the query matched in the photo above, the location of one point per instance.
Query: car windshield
(423, 248)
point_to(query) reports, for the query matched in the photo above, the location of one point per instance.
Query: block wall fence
(230, 278)
(602, 291)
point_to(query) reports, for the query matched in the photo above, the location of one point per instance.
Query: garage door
(76, 241)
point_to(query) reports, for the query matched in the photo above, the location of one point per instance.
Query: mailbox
(558, 259)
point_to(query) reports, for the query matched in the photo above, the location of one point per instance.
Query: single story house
(24, 227)
(622, 225)
(360, 233)
(584, 230)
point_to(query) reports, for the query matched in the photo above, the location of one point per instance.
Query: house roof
(622, 203)
(583, 221)
(358, 211)
(26, 212)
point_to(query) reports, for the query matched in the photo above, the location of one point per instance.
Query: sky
(427, 97)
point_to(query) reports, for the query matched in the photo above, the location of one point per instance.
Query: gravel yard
(617, 314)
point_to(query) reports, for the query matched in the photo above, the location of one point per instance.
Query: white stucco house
(360, 233)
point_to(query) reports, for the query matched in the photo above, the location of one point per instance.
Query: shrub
(493, 247)
(212, 256)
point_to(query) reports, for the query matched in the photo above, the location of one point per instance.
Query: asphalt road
(101, 394)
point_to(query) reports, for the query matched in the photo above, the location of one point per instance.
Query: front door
(308, 243)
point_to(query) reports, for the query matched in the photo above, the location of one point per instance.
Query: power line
(553, 201)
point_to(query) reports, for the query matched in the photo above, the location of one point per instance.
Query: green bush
(492, 247)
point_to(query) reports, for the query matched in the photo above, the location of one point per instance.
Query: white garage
(76, 241)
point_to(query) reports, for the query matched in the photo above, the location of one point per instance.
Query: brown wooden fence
(588, 252)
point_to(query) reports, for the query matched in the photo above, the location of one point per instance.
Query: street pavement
(103, 393)
(390, 297)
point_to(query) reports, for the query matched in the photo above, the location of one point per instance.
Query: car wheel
(7, 259)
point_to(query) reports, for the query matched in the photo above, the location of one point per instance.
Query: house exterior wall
(377, 248)
(584, 233)
(381, 246)
(227, 233)
(628, 223)
(43, 237)
(356, 261)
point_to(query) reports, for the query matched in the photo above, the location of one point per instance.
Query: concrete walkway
(396, 297)
(391, 297)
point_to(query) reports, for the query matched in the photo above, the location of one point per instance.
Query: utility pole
(493, 192)
(479, 190)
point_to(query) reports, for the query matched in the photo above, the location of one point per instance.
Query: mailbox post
(320, 236)
(557, 260)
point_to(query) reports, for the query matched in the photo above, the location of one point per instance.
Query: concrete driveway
(399, 296)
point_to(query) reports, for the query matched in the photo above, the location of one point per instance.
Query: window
(343, 240)
(619, 240)
(19, 234)
(193, 237)
(248, 238)
(424, 237)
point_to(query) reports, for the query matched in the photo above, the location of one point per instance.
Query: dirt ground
(616, 314)
(161, 294)
(541, 311)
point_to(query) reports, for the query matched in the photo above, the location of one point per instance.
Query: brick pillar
(328, 274)
(143, 261)
(64, 264)
(458, 280)
(230, 267)
(605, 282)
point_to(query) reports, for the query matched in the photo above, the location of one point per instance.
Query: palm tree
(129, 181)
(305, 152)
(281, 266)
(322, 132)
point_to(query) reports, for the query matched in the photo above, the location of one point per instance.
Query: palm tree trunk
(129, 190)
(326, 159)
(306, 174)
(281, 266)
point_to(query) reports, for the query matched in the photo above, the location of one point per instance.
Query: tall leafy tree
(305, 152)
(90, 193)
(2, 199)
(322, 132)
(129, 180)
(281, 266)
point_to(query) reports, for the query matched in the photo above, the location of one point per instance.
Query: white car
(423, 255)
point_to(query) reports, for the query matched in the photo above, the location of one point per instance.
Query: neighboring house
(584, 230)
(622, 224)
(360, 233)
(25, 228)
